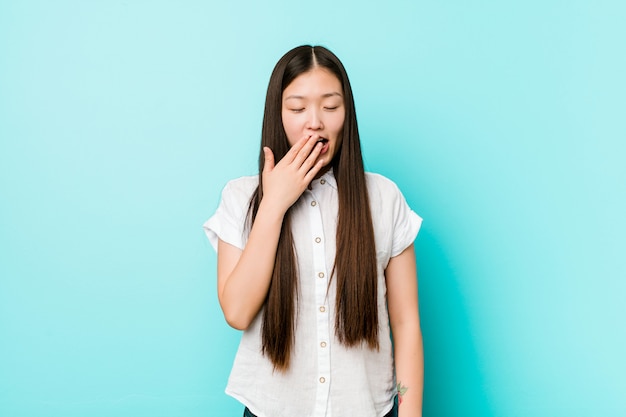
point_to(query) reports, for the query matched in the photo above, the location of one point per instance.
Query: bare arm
(243, 277)
(401, 277)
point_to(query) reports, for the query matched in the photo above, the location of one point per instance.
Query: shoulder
(380, 185)
(395, 223)
(384, 195)
(243, 186)
(244, 182)
(236, 193)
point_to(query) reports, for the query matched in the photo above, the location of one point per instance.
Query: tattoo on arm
(401, 391)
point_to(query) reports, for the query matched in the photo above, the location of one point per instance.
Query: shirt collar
(327, 179)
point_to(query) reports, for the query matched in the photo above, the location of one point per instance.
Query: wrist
(271, 210)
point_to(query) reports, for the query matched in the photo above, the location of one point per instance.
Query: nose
(314, 121)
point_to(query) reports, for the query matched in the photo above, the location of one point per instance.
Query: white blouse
(325, 378)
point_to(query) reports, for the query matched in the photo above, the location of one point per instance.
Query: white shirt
(325, 379)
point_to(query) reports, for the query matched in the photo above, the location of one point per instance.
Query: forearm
(409, 362)
(245, 287)
(244, 276)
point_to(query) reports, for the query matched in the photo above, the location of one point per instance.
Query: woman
(316, 261)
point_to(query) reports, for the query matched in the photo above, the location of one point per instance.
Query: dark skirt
(392, 413)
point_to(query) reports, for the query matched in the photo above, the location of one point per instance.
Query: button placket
(322, 316)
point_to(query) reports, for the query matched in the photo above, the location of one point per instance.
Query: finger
(291, 154)
(310, 176)
(306, 150)
(268, 164)
(312, 157)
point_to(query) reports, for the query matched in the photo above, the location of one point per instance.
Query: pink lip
(325, 146)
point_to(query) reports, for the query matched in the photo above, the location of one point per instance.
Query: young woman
(316, 261)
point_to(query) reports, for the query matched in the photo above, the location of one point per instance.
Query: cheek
(337, 125)
(291, 129)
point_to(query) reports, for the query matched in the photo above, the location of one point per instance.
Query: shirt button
(322, 380)
(318, 240)
(322, 181)
(322, 309)
(323, 344)
(321, 275)
(313, 203)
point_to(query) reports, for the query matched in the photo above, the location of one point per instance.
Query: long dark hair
(356, 319)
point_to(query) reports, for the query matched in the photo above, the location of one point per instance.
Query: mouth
(324, 143)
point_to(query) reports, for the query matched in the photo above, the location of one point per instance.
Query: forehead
(315, 82)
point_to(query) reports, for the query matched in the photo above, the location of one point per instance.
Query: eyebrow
(293, 96)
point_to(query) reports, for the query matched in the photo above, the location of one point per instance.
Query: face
(313, 105)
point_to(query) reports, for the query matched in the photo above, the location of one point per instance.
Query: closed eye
(297, 110)
(331, 108)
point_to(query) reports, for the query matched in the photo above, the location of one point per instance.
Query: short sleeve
(406, 223)
(228, 221)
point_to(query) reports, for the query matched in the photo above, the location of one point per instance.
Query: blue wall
(120, 121)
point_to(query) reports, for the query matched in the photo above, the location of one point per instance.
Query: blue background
(120, 122)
